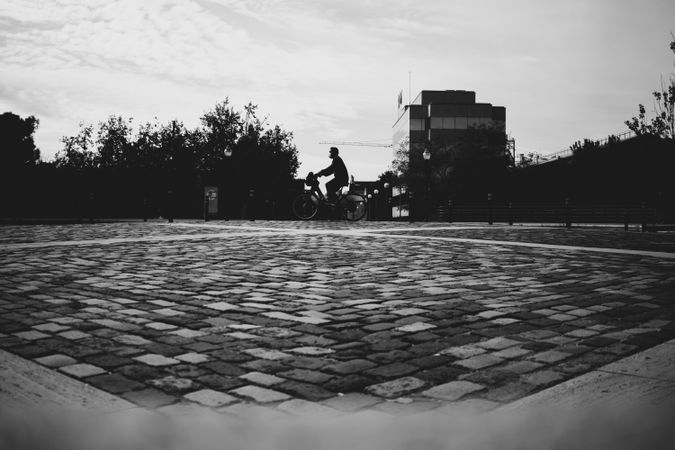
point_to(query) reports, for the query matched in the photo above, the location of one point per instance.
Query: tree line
(238, 151)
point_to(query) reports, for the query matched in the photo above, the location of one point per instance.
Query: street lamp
(228, 187)
(399, 178)
(376, 193)
(427, 157)
(387, 201)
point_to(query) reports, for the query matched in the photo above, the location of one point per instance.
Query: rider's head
(333, 152)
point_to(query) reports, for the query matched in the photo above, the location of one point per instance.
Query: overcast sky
(332, 70)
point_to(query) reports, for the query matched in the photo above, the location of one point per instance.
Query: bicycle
(350, 206)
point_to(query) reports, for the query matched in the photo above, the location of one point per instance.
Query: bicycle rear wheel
(354, 206)
(305, 206)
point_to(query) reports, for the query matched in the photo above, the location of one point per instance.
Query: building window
(449, 123)
(417, 124)
(436, 123)
(461, 123)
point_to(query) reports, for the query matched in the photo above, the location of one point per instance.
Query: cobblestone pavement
(327, 316)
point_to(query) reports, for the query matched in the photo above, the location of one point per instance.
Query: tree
(17, 147)
(663, 123)
(114, 143)
(78, 151)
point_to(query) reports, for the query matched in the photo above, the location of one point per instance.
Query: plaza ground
(332, 318)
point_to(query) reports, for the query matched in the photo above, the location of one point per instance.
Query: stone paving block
(264, 353)
(550, 356)
(307, 391)
(173, 384)
(221, 306)
(187, 333)
(562, 317)
(479, 361)
(463, 351)
(309, 376)
(520, 367)
(351, 366)
(415, 327)
(468, 406)
(130, 339)
(261, 378)
(32, 335)
(115, 383)
(50, 327)
(149, 398)
(543, 378)
(303, 408)
(509, 392)
(396, 388)
(312, 351)
(220, 382)
(351, 402)
(453, 390)
(408, 408)
(209, 397)
(393, 370)
(409, 311)
(289, 317)
(348, 383)
(498, 343)
(56, 361)
(491, 314)
(193, 358)
(581, 333)
(511, 352)
(260, 395)
(156, 360)
(161, 326)
(82, 370)
(242, 335)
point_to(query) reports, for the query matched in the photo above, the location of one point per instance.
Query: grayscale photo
(322, 224)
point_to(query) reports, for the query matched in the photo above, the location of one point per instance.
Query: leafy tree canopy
(663, 122)
(17, 147)
(259, 149)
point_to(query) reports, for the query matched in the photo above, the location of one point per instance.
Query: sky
(331, 71)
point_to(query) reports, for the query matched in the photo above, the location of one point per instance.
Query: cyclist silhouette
(338, 169)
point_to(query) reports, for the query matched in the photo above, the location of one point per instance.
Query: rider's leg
(331, 188)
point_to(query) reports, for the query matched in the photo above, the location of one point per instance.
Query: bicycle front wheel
(354, 206)
(305, 206)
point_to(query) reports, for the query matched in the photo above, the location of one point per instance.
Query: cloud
(331, 70)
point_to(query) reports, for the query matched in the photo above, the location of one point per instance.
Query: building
(449, 128)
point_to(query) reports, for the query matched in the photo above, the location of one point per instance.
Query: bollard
(625, 219)
(206, 207)
(568, 213)
(510, 213)
(449, 211)
(490, 215)
(251, 207)
(410, 206)
(145, 208)
(91, 207)
(643, 211)
(169, 205)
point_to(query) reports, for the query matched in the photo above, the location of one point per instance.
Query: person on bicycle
(338, 169)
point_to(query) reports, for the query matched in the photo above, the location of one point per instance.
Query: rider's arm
(327, 171)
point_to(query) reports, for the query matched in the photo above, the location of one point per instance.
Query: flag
(400, 99)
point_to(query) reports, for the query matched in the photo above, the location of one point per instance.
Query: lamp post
(427, 157)
(399, 178)
(376, 194)
(387, 200)
(228, 187)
